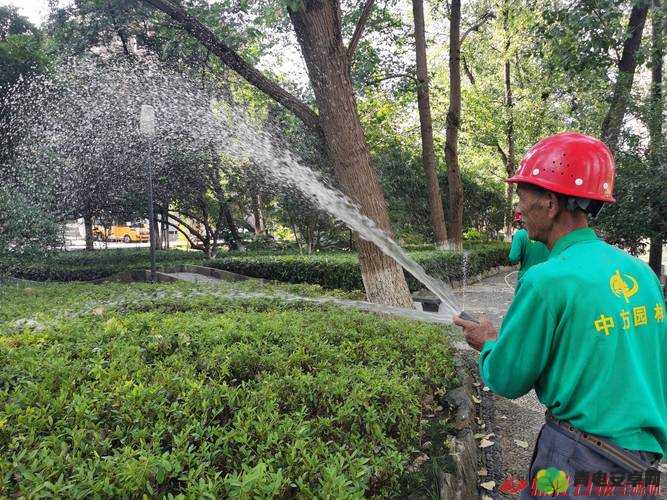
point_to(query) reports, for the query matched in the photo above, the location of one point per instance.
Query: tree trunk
(156, 228)
(165, 219)
(232, 226)
(453, 126)
(88, 224)
(318, 30)
(655, 127)
(426, 124)
(611, 126)
(257, 212)
(510, 163)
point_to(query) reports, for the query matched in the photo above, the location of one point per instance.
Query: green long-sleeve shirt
(587, 330)
(526, 251)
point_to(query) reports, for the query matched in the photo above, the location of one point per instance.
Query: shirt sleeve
(517, 247)
(511, 364)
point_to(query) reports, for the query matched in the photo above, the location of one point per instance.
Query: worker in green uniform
(586, 329)
(525, 251)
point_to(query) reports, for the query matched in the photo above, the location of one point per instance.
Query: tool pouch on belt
(610, 451)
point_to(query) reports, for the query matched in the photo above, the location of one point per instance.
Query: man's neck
(563, 227)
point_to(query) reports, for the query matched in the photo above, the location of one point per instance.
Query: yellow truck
(128, 233)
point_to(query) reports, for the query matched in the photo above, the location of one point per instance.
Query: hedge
(80, 265)
(194, 397)
(329, 270)
(342, 271)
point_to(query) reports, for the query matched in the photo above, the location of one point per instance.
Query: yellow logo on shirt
(620, 287)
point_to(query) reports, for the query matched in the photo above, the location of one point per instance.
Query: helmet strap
(591, 207)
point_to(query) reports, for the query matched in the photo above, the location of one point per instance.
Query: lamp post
(147, 127)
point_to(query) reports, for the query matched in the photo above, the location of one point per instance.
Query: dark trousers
(556, 451)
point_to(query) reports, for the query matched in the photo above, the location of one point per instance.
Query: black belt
(614, 453)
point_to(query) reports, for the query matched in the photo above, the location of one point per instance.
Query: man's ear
(553, 205)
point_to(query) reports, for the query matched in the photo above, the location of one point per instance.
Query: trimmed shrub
(80, 265)
(252, 402)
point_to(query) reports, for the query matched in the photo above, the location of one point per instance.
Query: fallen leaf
(486, 389)
(476, 399)
(483, 472)
(489, 485)
(485, 443)
(476, 384)
(523, 444)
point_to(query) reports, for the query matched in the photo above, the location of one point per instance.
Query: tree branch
(485, 17)
(231, 59)
(502, 153)
(187, 237)
(467, 70)
(391, 76)
(359, 29)
(186, 225)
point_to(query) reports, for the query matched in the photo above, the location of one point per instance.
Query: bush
(341, 270)
(81, 265)
(26, 230)
(256, 401)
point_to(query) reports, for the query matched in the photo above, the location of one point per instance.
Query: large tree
(453, 127)
(426, 125)
(657, 153)
(317, 25)
(613, 121)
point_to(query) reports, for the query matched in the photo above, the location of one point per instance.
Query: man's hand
(477, 334)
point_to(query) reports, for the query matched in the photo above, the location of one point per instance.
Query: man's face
(534, 208)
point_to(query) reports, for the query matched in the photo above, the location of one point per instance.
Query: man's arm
(511, 364)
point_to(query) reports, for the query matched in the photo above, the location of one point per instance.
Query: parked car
(136, 232)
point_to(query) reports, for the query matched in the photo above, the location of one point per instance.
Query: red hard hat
(572, 164)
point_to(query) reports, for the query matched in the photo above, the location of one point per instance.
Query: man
(525, 251)
(586, 330)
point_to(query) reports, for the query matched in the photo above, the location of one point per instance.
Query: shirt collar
(572, 238)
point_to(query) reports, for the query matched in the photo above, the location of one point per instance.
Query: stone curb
(471, 418)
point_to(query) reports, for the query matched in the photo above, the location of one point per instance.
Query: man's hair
(569, 203)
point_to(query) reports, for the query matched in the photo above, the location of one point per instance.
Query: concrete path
(194, 277)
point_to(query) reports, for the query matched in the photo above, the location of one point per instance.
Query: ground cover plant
(120, 390)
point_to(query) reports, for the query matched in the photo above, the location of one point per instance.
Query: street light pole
(147, 127)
